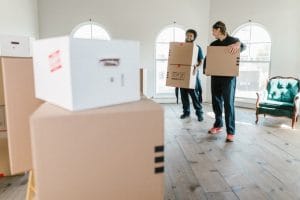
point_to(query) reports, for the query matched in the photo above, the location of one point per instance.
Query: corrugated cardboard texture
(182, 53)
(20, 104)
(2, 119)
(106, 153)
(219, 62)
(4, 160)
(181, 76)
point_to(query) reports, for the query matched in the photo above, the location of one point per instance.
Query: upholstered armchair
(281, 98)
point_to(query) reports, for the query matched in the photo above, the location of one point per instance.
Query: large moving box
(15, 46)
(4, 157)
(79, 74)
(108, 153)
(182, 57)
(219, 62)
(20, 103)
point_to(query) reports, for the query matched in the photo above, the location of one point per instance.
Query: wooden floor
(262, 163)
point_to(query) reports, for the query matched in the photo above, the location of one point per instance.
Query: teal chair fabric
(281, 98)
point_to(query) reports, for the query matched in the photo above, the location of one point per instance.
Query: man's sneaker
(215, 130)
(185, 115)
(230, 137)
(200, 118)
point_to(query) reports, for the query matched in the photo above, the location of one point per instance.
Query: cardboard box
(181, 53)
(181, 76)
(19, 105)
(108, 153)
(79, 74)
(219, 62)
(15, 46)
(4, 157)
(2, 119)
(182, 58)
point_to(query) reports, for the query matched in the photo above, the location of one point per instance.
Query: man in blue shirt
(196, 94)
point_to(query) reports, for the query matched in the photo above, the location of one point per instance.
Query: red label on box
(55, 61)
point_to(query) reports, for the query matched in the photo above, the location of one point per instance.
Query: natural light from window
(167, 35)
(255, 60)
(90, 30)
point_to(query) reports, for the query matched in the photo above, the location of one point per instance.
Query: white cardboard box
(79, 74)
(15, 46)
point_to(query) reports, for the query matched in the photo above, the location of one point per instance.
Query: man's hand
(234, 48)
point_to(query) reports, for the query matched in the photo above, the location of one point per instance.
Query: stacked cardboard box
(15, 46)
(113, 152)
(108, 153)
(17, 104)
(182, 58)
(79, 74)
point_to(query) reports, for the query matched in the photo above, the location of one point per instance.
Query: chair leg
(256, 121)
(294, 119)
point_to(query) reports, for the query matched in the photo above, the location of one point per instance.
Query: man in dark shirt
(223, 87)
(196, 94)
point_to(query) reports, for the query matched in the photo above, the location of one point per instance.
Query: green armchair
(281, 98)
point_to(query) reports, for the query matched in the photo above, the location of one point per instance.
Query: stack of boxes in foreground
(18, 102)
(95, 137)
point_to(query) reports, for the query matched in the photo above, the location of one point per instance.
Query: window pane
(179, 35)
(245, 55)
(255, 60)
(258, 34)
(252, 78)
(260, 52)
(91, 31)
(161, 74)
(244, 34)
(83, 32)
(162, 51)
(99, 33)
(166, 36)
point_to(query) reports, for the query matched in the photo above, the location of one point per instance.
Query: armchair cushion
(277, 105)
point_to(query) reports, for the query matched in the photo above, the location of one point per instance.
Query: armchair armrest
(297, 103)
(261, 96)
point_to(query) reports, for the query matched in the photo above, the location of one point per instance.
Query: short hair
(221, 26)
(193, 32)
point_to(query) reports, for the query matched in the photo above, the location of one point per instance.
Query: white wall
(19, 17)
(131, 19)
(280, 18)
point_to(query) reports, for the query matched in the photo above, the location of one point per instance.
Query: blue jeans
(223, 92)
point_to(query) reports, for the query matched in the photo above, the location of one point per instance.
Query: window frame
(251, 99)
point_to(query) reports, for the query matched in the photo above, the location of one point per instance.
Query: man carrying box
(196, 94)
(223, 87)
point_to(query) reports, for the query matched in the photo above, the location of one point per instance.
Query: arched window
(167, 35)
(255, 60)
(90, 30)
